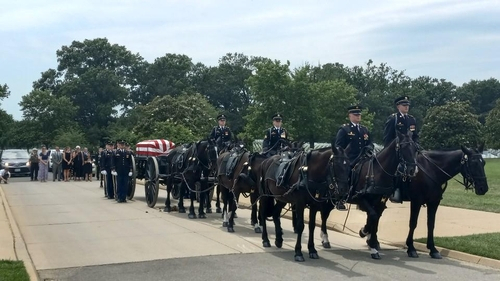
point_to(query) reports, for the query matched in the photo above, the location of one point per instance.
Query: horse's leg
(313, 254)
(169, 190)
(232, 209)
(294, 218)
(326, 208)
(278, 242)
(379, 209)
(182, 190)
(226, 196)
(264, 205)
(368, 229)
(253, 218)
(299, 209)
(210, 195)
(192, 197)
(414, 212)
(217, 203)
(431, 222)
(203, 197)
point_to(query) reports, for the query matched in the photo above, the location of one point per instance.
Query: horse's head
(206, 151)
(473, 169)
(407, 154)
(340, 167)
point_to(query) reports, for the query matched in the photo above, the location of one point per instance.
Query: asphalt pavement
(73, 233)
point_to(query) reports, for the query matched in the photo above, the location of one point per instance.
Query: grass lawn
(456, 196)
(13, 271)
(485, 245)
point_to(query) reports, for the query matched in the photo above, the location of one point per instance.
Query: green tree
(492, 127)
(451, 125)
(482, 94)
(70, 137)
(4, 91)
(47, 113)
(191, 111)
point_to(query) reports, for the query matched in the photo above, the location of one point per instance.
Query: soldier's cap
(127, 144)
(404, 100)
(110, 143)
(277, 117)
(355, 109)
(221, 117)
(121, 142)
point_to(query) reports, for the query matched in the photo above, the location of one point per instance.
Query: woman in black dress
(87, 166)
(66, 163)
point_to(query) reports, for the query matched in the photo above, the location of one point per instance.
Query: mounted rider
(221, 134)
(273, 136)
(403, 122)
(357, 137)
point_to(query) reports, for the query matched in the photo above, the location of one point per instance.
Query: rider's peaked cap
(355, 109)
(221, 117)
(402, 100)
(277, 116)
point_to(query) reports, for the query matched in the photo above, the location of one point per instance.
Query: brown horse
(313, 179)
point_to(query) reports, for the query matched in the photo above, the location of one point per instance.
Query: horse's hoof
(230, 229)
(361, 233)
(278, 244)
(235, 215)
(192, 216)
(218, 210)
(182, 210)
(266, 244)
(202, 216)
(225, 224)
(167, 209)
(377, 246)
(299, 258)
(326, 245)
(295, 231)
(209, 210)
(257, 230)
(313, 256)
(412, 253)
(375, 256)
(436, 255)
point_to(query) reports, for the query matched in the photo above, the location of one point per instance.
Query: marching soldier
(356, 136)
(273, 135)
(106, 165)
(122, 170)
(404, 123)
(221, 134)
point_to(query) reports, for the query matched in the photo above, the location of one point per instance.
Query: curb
(19, 245)
(419, 246)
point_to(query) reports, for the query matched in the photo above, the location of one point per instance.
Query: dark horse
(373, 182)
(435, 169)
(312, 179)
(243, 180)
(188, 165)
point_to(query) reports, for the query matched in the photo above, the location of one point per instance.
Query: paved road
(73, 233)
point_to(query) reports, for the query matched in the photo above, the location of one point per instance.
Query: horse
(312, 179)
(435, 169)
(373, 182)
(187, 165)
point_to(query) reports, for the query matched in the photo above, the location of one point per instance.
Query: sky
(453, 40)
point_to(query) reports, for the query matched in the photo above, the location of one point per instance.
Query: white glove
(129, 174)
(104, 172)
(114, 173)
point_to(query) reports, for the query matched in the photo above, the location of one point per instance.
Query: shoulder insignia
(394, 114)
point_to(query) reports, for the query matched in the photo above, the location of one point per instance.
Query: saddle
(234, 157)
(284, 169)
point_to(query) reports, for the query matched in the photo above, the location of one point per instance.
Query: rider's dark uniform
(272, 136)
(357, 137)
(403, 123)
(221, 135)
